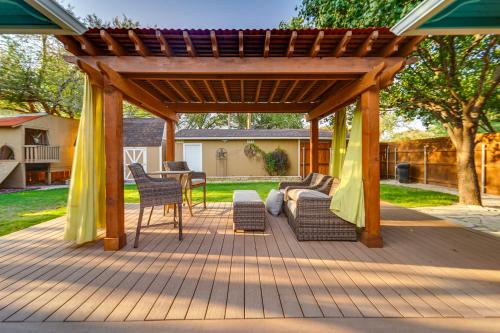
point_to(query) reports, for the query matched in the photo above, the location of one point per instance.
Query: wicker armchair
(310, 217)
(196, 179)
(156, 192)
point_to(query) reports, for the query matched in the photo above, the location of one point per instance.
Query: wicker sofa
(309, 215)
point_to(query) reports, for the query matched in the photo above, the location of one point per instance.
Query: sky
(196, 14)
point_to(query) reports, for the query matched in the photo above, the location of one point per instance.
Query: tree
(454, 81)
(35, 78)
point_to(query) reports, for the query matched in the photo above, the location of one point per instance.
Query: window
(35, 137)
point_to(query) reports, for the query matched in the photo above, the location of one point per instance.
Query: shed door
(134, 155)
(193, 156)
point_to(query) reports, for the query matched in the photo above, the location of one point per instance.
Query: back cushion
(274, 202)
(335, 185)
(313, 179)
(318, 179)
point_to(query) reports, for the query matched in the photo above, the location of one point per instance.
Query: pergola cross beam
(137, 93)
(346, 94)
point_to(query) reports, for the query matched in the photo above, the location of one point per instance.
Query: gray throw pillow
(274, 202)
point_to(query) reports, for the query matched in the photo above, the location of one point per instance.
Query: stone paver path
(486, 218)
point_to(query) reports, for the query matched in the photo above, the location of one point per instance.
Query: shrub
(276, 163)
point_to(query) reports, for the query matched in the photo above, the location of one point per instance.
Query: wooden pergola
(167, 72)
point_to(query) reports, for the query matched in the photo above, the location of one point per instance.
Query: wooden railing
(41, 154)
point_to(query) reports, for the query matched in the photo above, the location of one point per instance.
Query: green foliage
(125, 22)
(349, 14)
(35, 78)
(454, 82)
(239, 120)
(276, 162)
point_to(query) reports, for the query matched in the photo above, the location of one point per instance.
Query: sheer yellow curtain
(338, 144)
(87, 197)
(348, 201)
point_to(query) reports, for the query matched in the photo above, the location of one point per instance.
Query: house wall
(14, 138)
(237, 163)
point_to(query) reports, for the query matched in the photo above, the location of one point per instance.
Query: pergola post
(369, 105)
(170, 144)
(115, 237)
(313, 146)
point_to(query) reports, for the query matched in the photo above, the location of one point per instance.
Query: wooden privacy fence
(433, 161)
(323, 157)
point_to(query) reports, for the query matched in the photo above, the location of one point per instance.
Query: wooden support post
(113, 135)
(369, 104)
(313, 146)
(170, 144)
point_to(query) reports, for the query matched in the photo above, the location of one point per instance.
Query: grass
(23, 209)
(412, 197)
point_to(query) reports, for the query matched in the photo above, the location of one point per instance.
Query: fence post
(425, 164)
(395, 161)
(387, 162)
(483, 168)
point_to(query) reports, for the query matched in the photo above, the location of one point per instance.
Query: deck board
(428, 268)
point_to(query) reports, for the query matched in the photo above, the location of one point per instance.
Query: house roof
(18, 120)
(451, 17)
(143, 132)
(37, 17)
(217, 134)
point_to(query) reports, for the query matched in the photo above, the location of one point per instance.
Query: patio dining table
(184, 178)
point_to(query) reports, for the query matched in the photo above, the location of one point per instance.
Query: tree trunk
(468, 185)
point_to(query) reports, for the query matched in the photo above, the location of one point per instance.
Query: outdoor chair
(156, 192)
(196, 179)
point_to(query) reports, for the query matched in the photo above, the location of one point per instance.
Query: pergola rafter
(171, 71)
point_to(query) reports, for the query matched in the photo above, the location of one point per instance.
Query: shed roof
(18, 120)
(143, 132)
(213, 134)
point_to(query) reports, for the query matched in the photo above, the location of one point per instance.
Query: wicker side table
(249, 211)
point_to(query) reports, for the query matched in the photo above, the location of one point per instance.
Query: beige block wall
(237, 163)
(62, 133)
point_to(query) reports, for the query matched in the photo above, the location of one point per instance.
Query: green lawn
(23, 209)
(411, 197)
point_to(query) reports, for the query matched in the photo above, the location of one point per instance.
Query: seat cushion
(296, 194)
(274, 202)
(196, 181)
(246, 196)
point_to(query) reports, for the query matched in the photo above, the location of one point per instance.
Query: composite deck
(428, 268)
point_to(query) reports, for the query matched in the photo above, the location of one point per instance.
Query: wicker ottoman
(249, 212)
